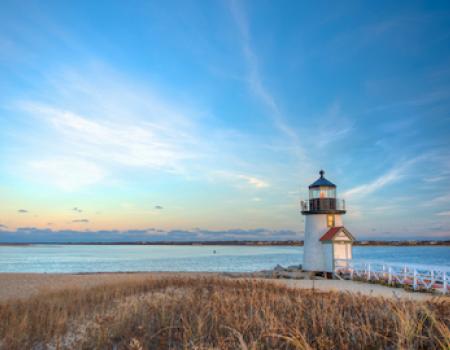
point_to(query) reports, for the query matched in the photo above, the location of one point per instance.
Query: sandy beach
(20, 286)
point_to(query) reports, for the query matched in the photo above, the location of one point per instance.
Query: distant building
(326, 238)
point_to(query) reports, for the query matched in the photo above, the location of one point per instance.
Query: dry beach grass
(212, 312)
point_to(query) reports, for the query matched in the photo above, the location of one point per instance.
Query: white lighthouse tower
(326, 238)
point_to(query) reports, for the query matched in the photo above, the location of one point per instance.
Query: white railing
(414, 276)
(319, 204)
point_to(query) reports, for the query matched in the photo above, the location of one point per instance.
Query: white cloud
(254, 181)
(143, 144)
(240, 179)
(331, 135)
(437, 201)
(90, 127)
(444, 213)
(255, 80)
(104, 126)
(391, 176)
(368, 188)
(332, 127)
(67, 173)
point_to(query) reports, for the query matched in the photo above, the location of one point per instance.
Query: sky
(180, 120)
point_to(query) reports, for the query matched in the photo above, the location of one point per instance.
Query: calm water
(82, 258)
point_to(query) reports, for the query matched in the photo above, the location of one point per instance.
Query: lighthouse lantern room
(326, 238)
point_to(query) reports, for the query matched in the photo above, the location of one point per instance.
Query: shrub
(200, 313)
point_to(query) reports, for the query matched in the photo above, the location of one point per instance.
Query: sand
(357, 287)
(24, 285)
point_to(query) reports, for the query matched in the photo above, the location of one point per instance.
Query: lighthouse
(326, 238)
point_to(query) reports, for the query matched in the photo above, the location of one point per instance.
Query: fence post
(445, 283)
(412, 275)
(390, 275)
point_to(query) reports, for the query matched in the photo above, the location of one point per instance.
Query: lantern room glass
(322, 192)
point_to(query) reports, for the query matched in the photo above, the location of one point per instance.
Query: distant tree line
(244, 243)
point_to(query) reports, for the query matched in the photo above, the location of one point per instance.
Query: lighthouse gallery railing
(414, 276)
(318, 204)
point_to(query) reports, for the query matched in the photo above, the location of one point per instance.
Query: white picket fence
(415, 276)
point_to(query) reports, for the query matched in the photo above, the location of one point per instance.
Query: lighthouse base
(316, 254)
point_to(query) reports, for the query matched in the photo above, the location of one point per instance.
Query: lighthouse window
(322, 192)
(330, 220)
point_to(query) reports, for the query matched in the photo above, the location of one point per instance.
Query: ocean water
(97, 258)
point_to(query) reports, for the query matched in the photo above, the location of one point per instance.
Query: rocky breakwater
(290, 272)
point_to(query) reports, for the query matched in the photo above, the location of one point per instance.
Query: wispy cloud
(380, 182)
(389, 177)
(443, 213)
(240, 179)
(333, 127)
(68, 173)
(140, 143)
(438, 200)
(254, 181)
(438, 178)
(255, 80)
(329, 136)
(112, 124)
(81, 221)
(106, 122)
(78, 210)
(420, 100)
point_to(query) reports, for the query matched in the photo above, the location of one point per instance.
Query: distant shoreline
(237, 243)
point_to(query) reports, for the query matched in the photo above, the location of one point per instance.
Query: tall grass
(205, 313)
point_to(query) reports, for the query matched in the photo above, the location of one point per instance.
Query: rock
(295, 267)
(297, 275)
(279, 268)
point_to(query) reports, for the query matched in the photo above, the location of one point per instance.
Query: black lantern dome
(322, 188)
(321, 181)
(322, 198)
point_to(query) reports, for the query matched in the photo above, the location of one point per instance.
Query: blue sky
(210, 119)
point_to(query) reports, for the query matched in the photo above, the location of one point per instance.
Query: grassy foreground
(206, 313)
